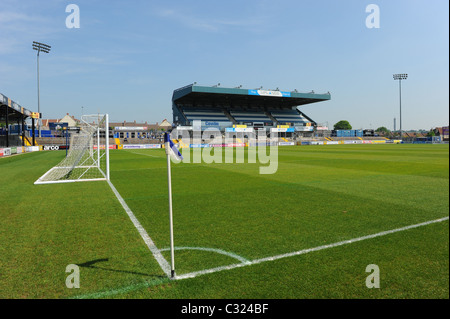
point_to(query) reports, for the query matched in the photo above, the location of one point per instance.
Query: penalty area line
(306, 251)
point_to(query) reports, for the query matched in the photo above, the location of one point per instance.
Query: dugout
(12, 114)
(234, 109)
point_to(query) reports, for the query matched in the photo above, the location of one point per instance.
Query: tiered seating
(250, 117)
(50, 140)
(205, 115)
(288, 116)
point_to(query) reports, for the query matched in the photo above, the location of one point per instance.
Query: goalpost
(88, 156)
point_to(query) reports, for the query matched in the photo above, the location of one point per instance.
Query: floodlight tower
(400, 77)
(40, 47)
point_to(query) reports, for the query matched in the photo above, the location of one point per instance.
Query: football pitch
(308, 231)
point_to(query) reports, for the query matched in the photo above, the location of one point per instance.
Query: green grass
(319, 195)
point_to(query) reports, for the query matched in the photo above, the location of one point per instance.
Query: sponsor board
(269, 93)
(51, 148)
(217, 145)
(304, 128)
(6, 152)
(283, 130)
(286, 143)
(35, 115)
(239, 129)
(58, 126)
(235, 144)
(32, 149)
(138, 146)
(102, 147)
(1, 152)
(198, 145)
(211, 123)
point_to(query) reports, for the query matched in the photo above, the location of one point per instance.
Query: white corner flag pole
(169, 182)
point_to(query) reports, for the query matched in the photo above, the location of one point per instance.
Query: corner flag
(171, 148)
(171, 152)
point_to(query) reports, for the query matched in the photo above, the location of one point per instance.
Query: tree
(383, 131)
(431, 133)
(342, 125)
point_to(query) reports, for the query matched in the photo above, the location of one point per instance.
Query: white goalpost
(88, 156)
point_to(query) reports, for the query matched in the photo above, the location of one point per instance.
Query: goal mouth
(88, 156)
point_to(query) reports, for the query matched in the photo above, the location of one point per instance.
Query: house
(69, 119)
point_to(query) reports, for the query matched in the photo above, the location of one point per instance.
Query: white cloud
(210, 24)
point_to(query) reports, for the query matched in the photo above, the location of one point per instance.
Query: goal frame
(92, 153)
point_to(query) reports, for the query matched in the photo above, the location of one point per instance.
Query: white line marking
(219, 251)
(145, 154)
(142, 285)
(148, 241)
(306, 251)
(122, 290)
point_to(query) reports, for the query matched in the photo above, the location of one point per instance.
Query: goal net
(88, 155)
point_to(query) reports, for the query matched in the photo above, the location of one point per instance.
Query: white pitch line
(148, 241)
(214, 250)
(306, 251)
(145, 154)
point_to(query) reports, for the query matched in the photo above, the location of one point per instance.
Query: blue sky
(127, 57)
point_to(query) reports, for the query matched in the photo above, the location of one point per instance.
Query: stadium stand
(11, 113)
(257, 109)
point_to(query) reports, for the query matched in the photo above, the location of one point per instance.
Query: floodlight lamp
(402, 76)
(41, 47)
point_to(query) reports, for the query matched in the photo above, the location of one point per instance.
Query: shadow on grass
(92, 265)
